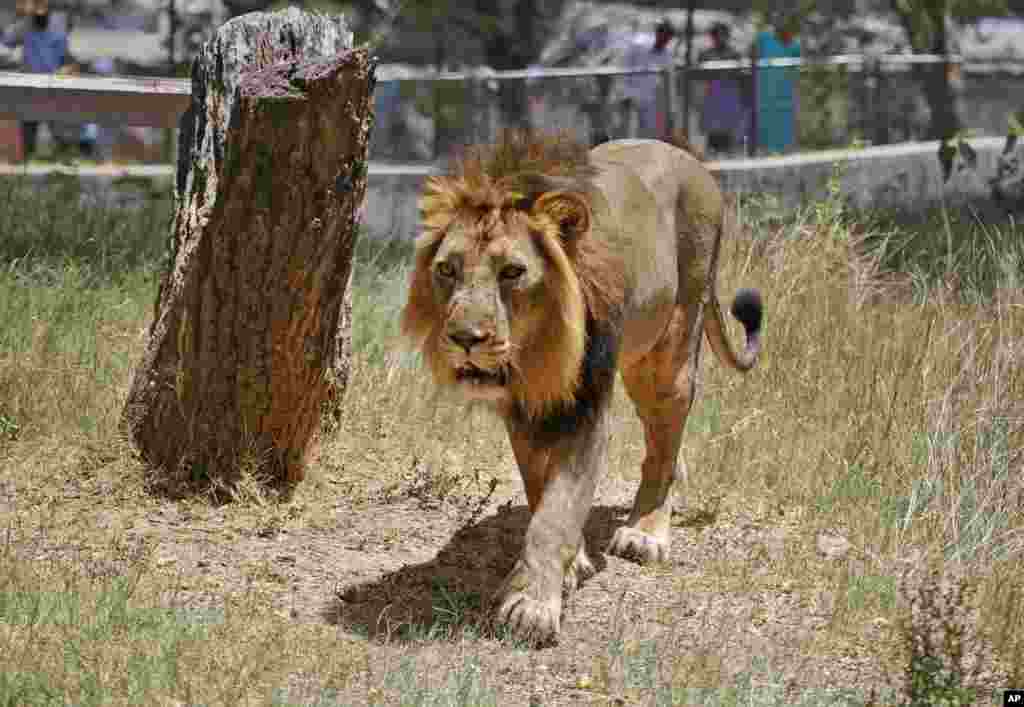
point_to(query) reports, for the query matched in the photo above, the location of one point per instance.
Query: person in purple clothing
(43, 52)
(724, 114)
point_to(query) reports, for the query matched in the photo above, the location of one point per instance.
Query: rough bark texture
(250, 337)
(925, 25)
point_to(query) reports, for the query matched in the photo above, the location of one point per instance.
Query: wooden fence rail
(152, 101)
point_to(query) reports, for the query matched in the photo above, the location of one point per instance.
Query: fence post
(435, 145)
(880, 136)
(690, 9)
(478, 114)
(754, 101)
(867, 97)
(668, 78)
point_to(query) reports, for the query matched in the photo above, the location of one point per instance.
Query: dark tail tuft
(749, 310)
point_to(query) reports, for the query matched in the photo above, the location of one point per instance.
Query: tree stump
(250, 336)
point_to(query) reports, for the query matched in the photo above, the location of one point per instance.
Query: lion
(542, 268)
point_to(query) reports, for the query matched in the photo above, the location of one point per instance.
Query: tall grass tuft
(947, 660)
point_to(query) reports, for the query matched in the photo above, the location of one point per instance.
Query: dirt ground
(385, 562)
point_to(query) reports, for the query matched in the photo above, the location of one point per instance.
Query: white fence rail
(158, 102)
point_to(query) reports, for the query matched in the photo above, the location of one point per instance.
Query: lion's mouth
(469, 373)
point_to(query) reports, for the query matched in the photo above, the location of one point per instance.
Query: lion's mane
(506, 181)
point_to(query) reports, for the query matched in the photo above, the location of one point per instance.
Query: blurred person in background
(640, 91)
(44, 51)
(777, 86)
(724, 114)
(96, 141)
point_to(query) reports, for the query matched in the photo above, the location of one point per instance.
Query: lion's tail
(746, 307)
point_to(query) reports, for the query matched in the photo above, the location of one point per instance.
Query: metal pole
(172, 14)
(476, 106)
(867, 85)
(170, 134)
(881, 127)
(691, 7)
(668, 78)
(754, 89)
(439, 58)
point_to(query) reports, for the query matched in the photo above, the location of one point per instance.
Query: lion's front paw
(529, 619)
(632, 544)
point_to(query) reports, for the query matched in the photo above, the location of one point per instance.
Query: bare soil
(747, 592)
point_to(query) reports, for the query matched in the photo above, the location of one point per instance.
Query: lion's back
(668, 172)
(661, 207)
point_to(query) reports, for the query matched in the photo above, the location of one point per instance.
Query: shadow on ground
(455, 589)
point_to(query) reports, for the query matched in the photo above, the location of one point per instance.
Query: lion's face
(495, 302)
(490, 281)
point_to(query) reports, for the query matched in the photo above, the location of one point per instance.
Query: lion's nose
(469, 338)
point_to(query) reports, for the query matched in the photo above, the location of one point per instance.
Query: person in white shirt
(641, 90)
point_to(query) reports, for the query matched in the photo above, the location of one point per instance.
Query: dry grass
(836, 497)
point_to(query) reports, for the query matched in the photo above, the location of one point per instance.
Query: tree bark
(925, 27)
(939, 90)
(514, 44)
(249, 342)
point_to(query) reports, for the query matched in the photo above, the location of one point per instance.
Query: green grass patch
(466, 686)
(56, 224)
(955, 248)
(144, 644)
(853, 488)
(871, 591)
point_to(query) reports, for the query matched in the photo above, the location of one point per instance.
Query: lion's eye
(446, 270)
(511, 272)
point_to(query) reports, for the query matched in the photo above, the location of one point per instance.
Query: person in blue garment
(43, 52)
(777, 88)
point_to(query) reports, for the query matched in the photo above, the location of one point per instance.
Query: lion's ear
(437, 202)
(568, 209)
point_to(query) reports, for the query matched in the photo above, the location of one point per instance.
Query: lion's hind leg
(662, 386)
